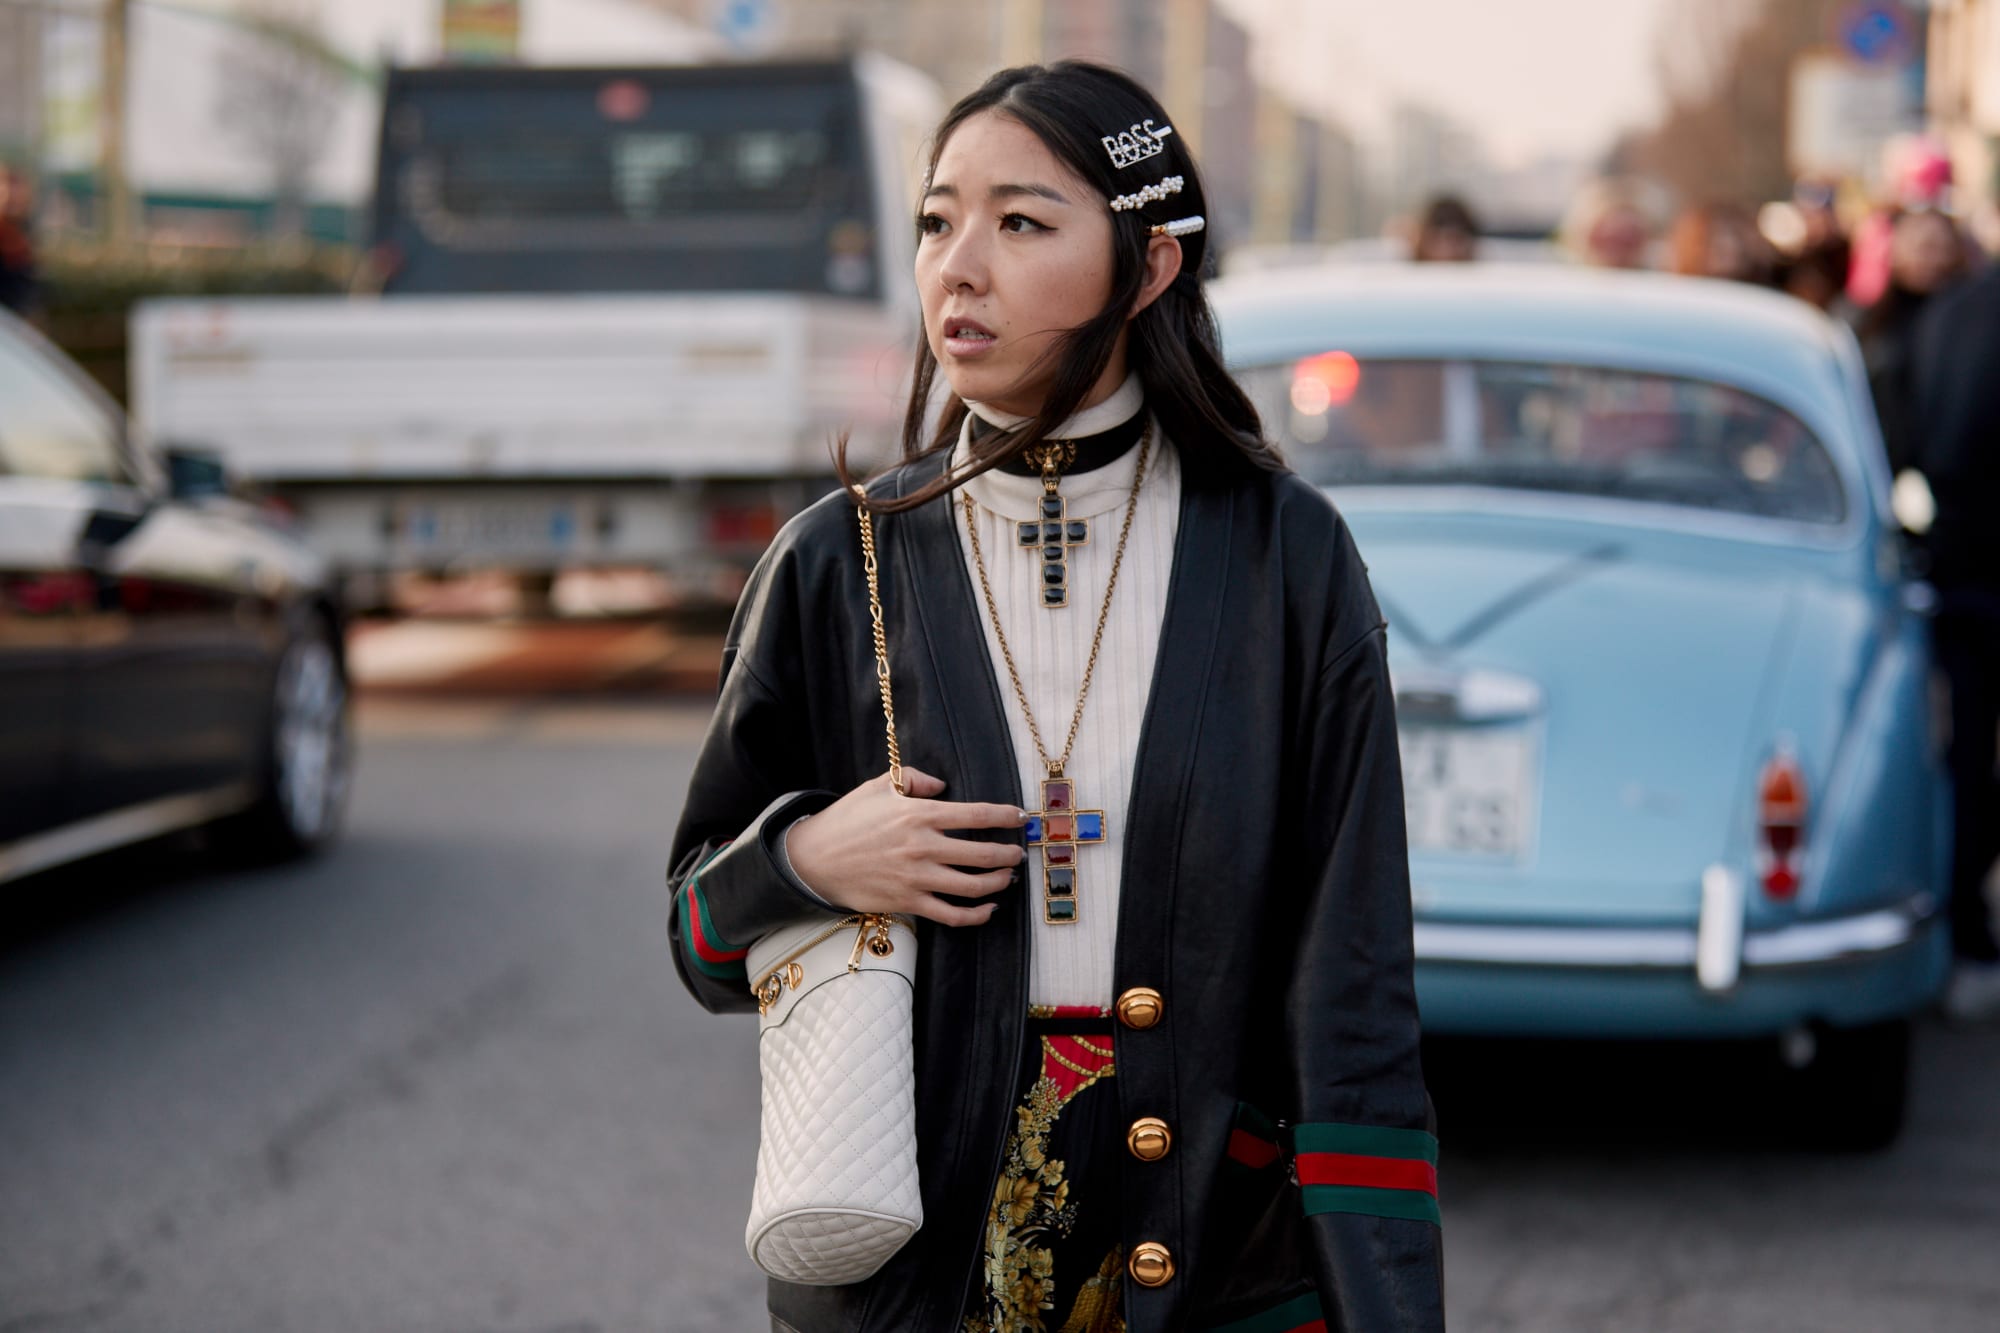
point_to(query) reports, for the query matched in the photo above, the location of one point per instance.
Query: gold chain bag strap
(836, 1191)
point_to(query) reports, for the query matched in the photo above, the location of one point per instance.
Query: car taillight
(1324, 381)
(1781, 825)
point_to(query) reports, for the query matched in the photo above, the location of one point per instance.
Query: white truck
(621, 314)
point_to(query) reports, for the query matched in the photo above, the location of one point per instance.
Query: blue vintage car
(1661, 671)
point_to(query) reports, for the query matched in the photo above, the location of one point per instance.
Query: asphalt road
(444, 1081)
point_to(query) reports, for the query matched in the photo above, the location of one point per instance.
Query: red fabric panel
(1250, 1150)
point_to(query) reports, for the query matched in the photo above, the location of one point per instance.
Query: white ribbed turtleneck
(1072, 964)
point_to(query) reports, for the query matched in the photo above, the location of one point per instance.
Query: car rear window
(1586, 430)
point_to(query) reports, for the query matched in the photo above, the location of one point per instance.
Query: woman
(1720, 241)
(1447, 233)
(1926, 255)
(1122, 1036)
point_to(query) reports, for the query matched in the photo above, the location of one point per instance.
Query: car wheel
(1852, 1096)
(308, 754)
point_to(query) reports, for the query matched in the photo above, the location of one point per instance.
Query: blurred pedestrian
(1920, 176)
(1927, 254)
(1606, 227)
(20, 287)
(1815, 269)
(1955, 443)
(1058, 268)
(1448, 232)
(1720, 241)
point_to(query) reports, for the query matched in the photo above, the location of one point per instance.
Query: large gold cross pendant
(1059, 829)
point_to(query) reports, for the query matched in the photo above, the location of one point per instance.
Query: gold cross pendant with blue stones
(1051, 536)
(1059, 829)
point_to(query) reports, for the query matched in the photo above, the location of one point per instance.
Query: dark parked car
(169, 657)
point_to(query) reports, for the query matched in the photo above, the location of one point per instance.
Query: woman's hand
(875, 851)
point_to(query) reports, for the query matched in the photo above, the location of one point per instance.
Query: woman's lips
(968, 337)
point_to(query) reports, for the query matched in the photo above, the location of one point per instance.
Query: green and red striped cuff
(706, 949)
(1299, 1315)
(1367, 1169)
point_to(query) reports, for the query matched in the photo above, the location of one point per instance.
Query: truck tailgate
(519, 386)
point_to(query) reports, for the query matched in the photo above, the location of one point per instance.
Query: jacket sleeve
(1365, 1145)
(729, 876)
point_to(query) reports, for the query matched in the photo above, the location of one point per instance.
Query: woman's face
(1923, 251)
(1013, 251)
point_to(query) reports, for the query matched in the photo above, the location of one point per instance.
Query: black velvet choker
(1092, 451)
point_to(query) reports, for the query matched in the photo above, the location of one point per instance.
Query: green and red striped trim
(1367, 1169)
(1298, 1315)
(706, 949)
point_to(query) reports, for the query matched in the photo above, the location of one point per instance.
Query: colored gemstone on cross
(1058, 828)
(1050, 539)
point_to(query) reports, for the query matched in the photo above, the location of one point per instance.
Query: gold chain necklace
(1059, 827)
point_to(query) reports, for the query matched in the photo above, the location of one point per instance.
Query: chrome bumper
(1716, 951)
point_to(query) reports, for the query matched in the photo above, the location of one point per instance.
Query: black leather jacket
(1267, 900)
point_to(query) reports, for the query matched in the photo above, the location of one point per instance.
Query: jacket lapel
(1182, 677)
(1156, 820)
(972, 983)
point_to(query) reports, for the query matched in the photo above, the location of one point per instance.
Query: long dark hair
(1073, 107)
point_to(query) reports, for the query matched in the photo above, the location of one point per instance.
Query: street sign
(747, 25)
(1840, 114)
(1877, 34)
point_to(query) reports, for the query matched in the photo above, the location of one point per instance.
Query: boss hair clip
(1136, 144)
(1179, 226)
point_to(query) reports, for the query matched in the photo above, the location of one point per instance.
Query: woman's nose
(963, 265)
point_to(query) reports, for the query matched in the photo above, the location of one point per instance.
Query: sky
(1530, 76)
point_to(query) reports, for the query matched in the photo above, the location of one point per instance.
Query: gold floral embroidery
(1031, 1208)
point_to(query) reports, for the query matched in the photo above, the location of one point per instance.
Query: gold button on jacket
(1149, 1138)
(1150, 1265)
(1141, 1007)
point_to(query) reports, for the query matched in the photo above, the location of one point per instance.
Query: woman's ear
(1163, 265)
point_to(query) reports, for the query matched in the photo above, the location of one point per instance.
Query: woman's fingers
(967, 883)
(965, 852)
(975, 814)
(916, 782)
(949, 914)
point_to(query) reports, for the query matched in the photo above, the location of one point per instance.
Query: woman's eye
(929, 224)
(1020, 224)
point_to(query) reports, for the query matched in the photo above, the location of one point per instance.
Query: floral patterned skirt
(1053, 1261)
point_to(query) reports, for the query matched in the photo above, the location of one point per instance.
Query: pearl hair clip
(1179, 226)
(1171, 185)
(1136, 144)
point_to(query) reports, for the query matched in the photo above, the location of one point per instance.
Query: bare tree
(1725, 69)
(280, 88)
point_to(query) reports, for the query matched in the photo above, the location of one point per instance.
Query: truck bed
(520, 387)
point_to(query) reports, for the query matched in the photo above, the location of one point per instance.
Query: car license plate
(483, 526)
(1470, 791)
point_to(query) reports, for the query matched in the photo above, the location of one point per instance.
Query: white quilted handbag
(836, 1188)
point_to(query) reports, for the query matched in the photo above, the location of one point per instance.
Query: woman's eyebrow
(1003, 192)
(1039, 191)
